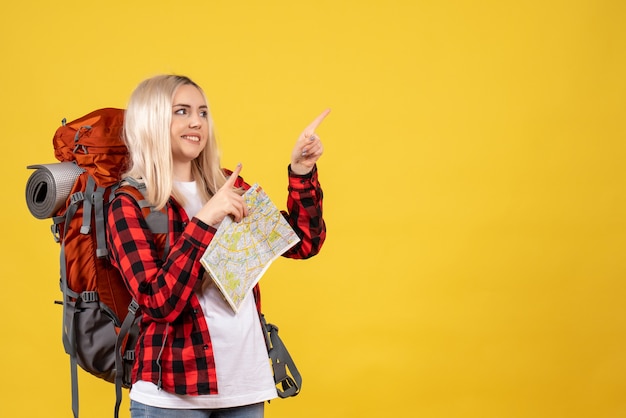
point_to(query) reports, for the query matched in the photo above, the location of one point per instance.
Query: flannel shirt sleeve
(161, 288)
(304, 214)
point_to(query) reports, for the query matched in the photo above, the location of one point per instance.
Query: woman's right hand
(224, 203)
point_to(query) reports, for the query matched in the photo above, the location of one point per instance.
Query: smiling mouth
(192, 138)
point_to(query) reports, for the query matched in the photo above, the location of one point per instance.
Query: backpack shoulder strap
(127, 337)
(156, 219)
(125, 352)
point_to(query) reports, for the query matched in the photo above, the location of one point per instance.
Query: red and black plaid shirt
(174, 350)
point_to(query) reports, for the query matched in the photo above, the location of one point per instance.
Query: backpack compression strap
(69, 334)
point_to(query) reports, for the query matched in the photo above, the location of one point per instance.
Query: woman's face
(190, 124)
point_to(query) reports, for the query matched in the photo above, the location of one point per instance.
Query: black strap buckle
(290, 387)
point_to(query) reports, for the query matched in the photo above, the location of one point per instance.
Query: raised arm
(304, 202)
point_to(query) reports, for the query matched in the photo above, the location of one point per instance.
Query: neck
(183, 172)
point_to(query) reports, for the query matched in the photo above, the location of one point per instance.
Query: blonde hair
(148, 138)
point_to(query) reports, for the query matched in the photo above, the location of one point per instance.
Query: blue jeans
(139, 410)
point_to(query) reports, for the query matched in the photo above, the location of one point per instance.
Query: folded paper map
(241, 252)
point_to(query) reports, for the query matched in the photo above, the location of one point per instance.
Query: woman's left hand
(308, 148)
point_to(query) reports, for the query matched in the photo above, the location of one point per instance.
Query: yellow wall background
(474, 181)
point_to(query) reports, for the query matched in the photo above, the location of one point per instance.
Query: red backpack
(94, 143)
(99, 321)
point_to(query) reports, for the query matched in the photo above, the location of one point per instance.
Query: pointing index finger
(233, 177)
(316, 122)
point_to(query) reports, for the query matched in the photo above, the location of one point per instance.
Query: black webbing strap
(87, 205)
(68, 334)
(281, 362)
(91, 200)
(97, 200)
(125, 338)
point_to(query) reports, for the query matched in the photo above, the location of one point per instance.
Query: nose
(195, 121)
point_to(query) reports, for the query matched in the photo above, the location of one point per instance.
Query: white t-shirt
(244, 375)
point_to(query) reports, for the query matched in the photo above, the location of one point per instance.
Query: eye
(204, 114)
(181, 111)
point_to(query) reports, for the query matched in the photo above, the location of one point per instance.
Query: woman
(196, 357)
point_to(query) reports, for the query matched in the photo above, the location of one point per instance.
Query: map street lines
(241, 252)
